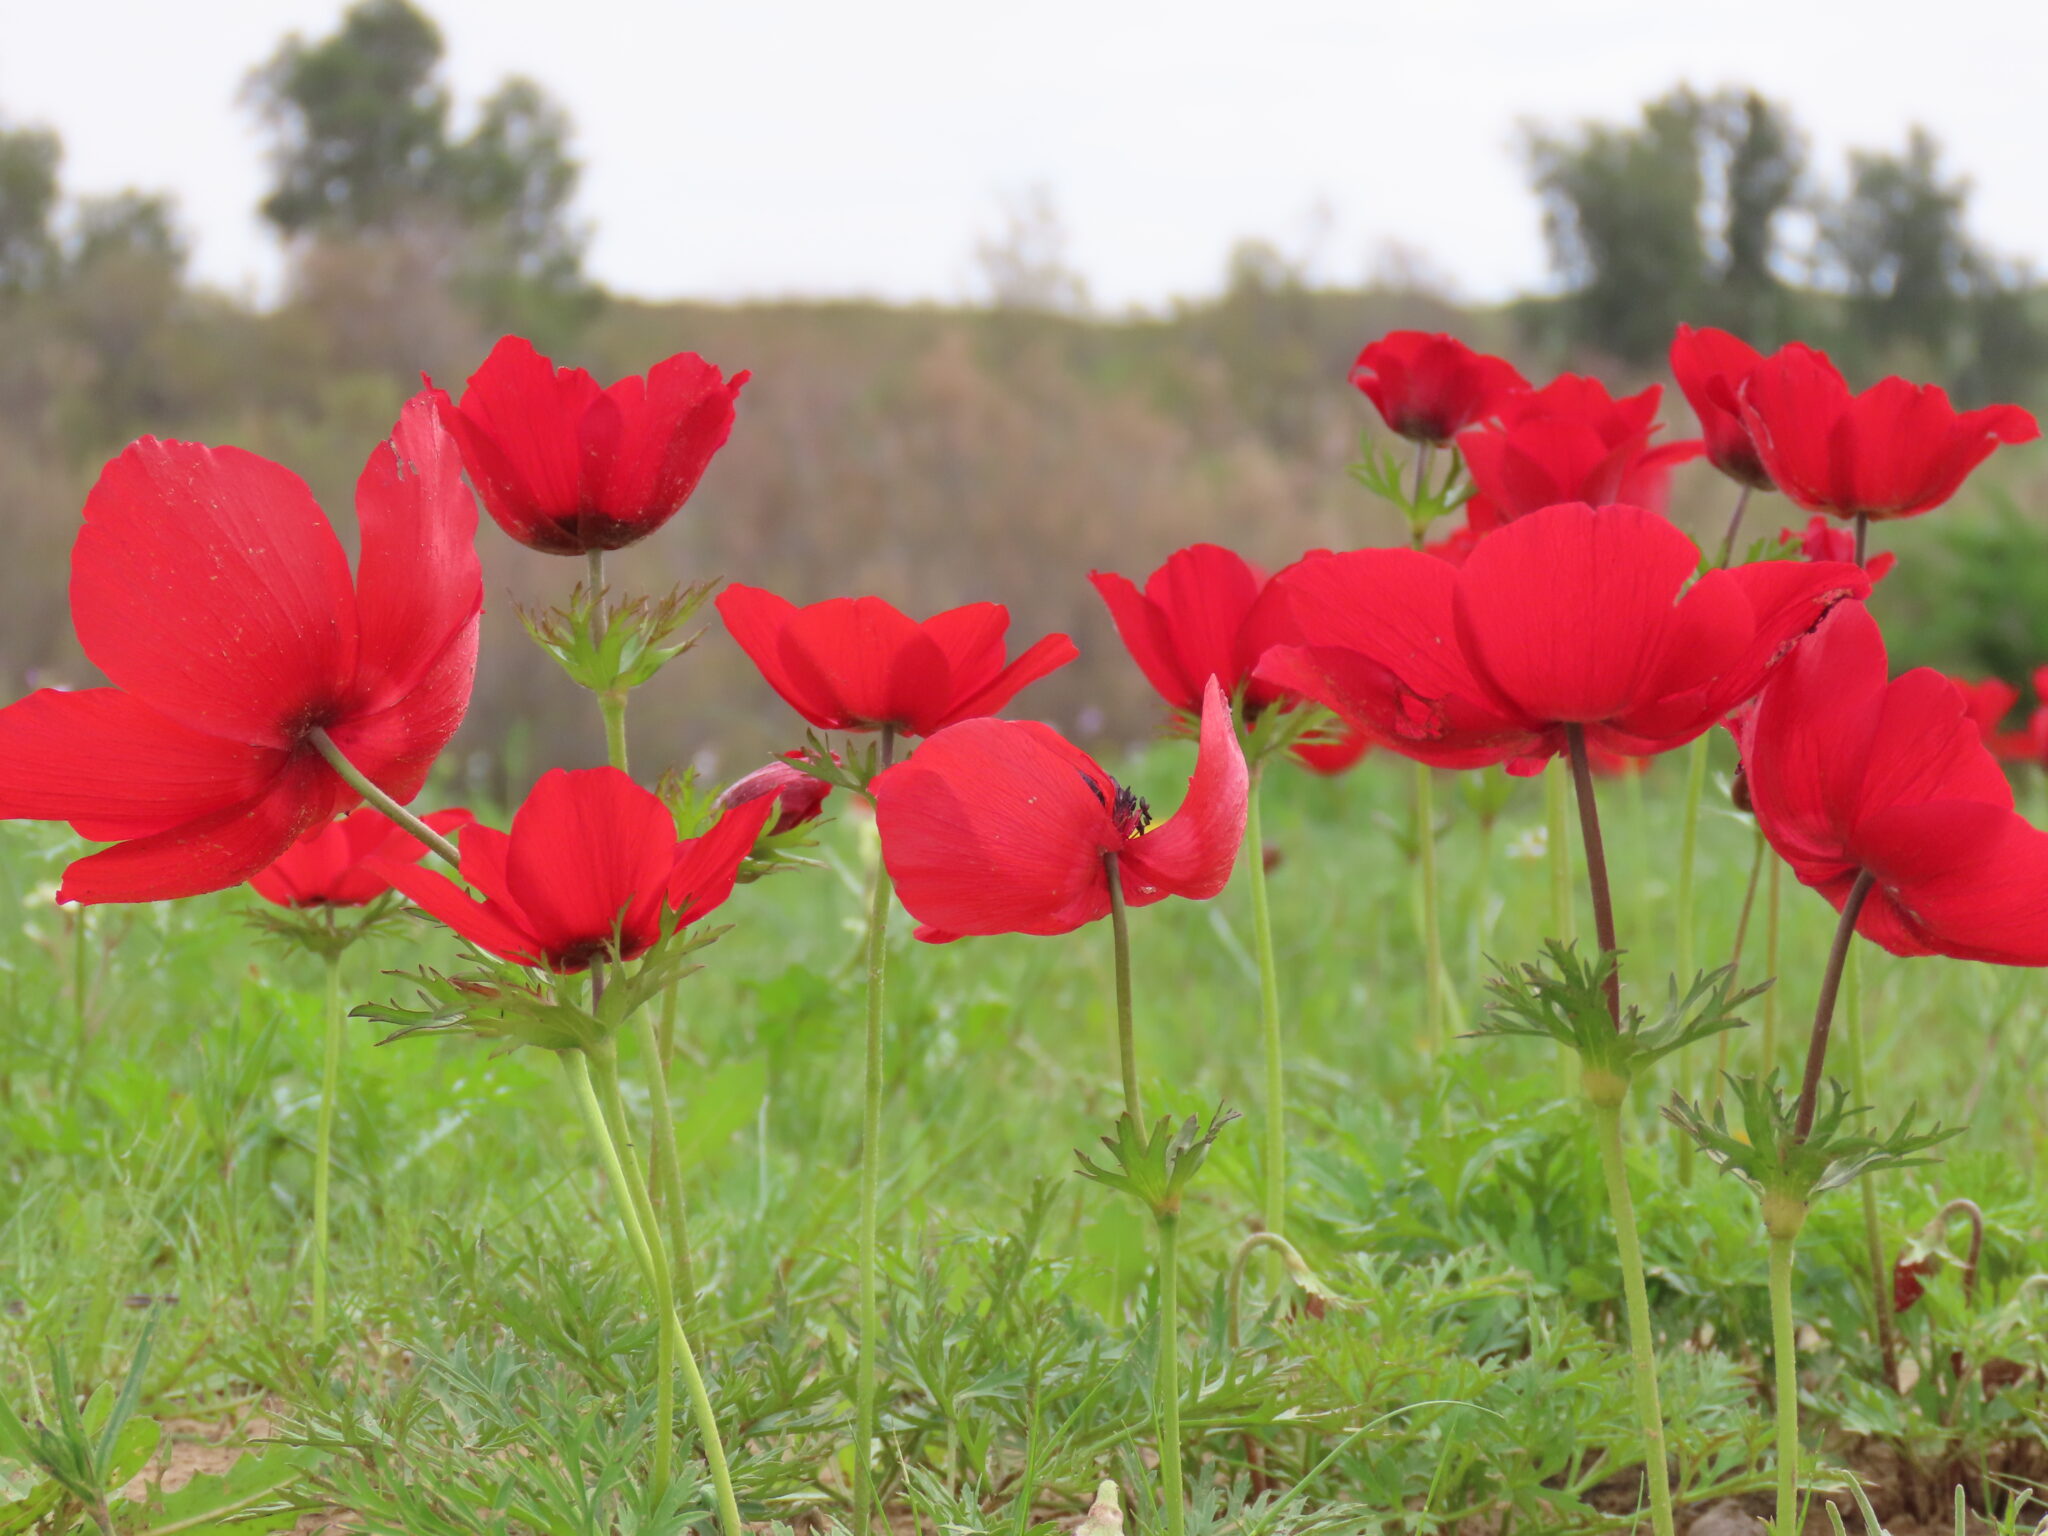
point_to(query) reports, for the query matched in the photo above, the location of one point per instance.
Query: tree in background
(1027, 264)
(1897, 247)
(28, 199)
(1621, 214)
(1758, 159)
(363, 154)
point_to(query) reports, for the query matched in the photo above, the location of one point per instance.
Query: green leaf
(718, 1107)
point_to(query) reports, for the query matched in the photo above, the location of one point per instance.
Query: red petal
(706, 867)
(1566, 613)
(1790, 404)
(1204, 594)
(418, 579)
(1144, 632)
(1190, 853)
(493, 924)
(1042, 657)
(396, 748)
(998, 826)
(756, 619)
(208, 584)
(666, 429)
(591, 852)
(518, 423)
(1970, 880)
(212, 852)
(115, 768)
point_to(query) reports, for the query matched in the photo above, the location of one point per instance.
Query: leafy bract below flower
(1429, 388)
(1849, 773)
(1204, 614)
(1569, 616)
(330, 867)
(1000, 826)
(591, 870)
(1896, 450)
(566, 466)
(858, 664)
(214, 595)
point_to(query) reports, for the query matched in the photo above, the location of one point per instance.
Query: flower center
(1126, 807)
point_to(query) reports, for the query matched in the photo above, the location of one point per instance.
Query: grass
(485, 1372)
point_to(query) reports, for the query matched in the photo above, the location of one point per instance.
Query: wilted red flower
(592, 869)
(211, 591)
(328, 869)
(858, 664)
(1823, 540)
(1569, 616)
(1000, 826)
(1850, 774)
(566, 466)
(1909, 1278)
(1895, 450)
(799, 796)
(1569, 441)
(1430, 388)
(1710, 367)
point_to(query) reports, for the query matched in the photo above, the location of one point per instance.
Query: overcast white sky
(860, 146)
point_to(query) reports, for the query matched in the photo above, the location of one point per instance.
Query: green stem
(323, 1152)
(1596, 863)
(614, 1107)
(1688, 854)
(1432, 930)
(1126, 1033)
(1824, 1007)
(1169, 1372)
(1649, 1412)
(1873, 1231)
(1269, 1018)
(1771, 909)
(1784, 1344)
(1557, 845)
(667, 1167)
(1734, 526)
(611, 704)
(870, 1188)
(637, 1212)
(356, 780)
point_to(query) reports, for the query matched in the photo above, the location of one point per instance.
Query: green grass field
(487, 1366)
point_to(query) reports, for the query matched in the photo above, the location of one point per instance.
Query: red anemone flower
(328, 869)
(1569, 616)
(1896, 450)
(1850, 774)
(799, 796)
(591, 870)
(1710, 367)
(567, 466)
(1000, 826)
(1570, 441)
(1988, 703)
(1430, 388)
(1823, 540)
(211, 591)
(1203, 614)
(858, 664)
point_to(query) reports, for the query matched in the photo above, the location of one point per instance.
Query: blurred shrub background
(937, 455)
